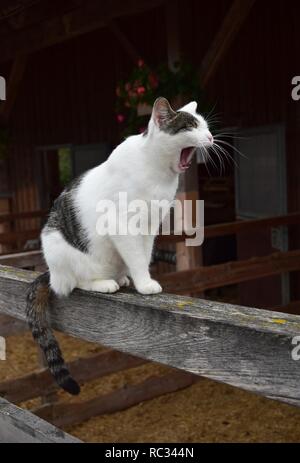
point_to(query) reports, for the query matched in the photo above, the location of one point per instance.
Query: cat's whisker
(232, 147)
(221, 160)
(226, 154)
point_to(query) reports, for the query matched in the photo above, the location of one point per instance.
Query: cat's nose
(210, 138)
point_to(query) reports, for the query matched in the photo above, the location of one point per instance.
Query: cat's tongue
(186, 158)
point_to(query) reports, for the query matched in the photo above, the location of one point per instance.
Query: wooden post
(187, 258)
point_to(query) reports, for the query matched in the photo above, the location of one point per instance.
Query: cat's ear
(162, 112)
(190, 107)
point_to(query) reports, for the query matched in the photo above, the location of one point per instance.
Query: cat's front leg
(132, 250)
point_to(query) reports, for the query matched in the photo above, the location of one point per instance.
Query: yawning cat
(145, 166)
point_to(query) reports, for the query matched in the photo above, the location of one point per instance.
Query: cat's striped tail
(38, 303)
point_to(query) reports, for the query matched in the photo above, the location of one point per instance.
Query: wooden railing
(17, 238)
(199, 279)
(233, 228)
(244, 347)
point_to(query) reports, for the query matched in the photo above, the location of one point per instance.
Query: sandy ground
(204, 412)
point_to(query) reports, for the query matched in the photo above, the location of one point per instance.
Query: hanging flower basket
(136, 94)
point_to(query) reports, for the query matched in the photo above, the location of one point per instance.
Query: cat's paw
(149, 287)
(124, 281)
(104, 286)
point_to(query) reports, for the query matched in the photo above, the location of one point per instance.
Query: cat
(145, 166)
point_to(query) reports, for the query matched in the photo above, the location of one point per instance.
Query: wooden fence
(15, 235)
(244, 347)
(197, 280)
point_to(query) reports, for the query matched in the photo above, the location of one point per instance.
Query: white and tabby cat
(145, 166)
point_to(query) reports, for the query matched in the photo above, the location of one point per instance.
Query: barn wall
(68, 96)
(68, 92)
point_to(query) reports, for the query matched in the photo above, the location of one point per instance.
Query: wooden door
(261, 192)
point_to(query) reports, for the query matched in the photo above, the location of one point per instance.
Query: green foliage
(65, 166)
(143, 87)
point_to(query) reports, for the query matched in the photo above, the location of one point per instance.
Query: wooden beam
(84, 369)
(23, 259)
(67, 414)
(10, 326)
(15, 78)
(91, 16)
(22, 236)
(245, 347)
(20, 426)
(230, 27)
(13, 216)
(124, 42)
(216, 276)
(240, 226)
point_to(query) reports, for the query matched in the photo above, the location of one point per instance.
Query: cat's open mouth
(186, 158)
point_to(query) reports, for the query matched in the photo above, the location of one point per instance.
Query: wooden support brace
(83, 369)
(66, 414)
(124, 42)
(230, 27)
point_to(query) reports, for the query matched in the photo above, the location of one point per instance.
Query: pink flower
(153, 80)
(142, 129)
(120, 118)
(141, 63)
(127, 86)
(140, 90)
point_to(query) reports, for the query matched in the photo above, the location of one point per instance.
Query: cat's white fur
(146, 167)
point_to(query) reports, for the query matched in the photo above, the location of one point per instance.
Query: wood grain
(245, 347)
(20, 426)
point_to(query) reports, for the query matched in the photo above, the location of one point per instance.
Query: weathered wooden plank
(83, 369)
(231, 25)
(23, 259)
(245, 347)
(216, 276)
(66, 414)
(21, 426)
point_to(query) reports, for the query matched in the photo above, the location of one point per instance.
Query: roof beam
(93, 15)
(230, 27)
